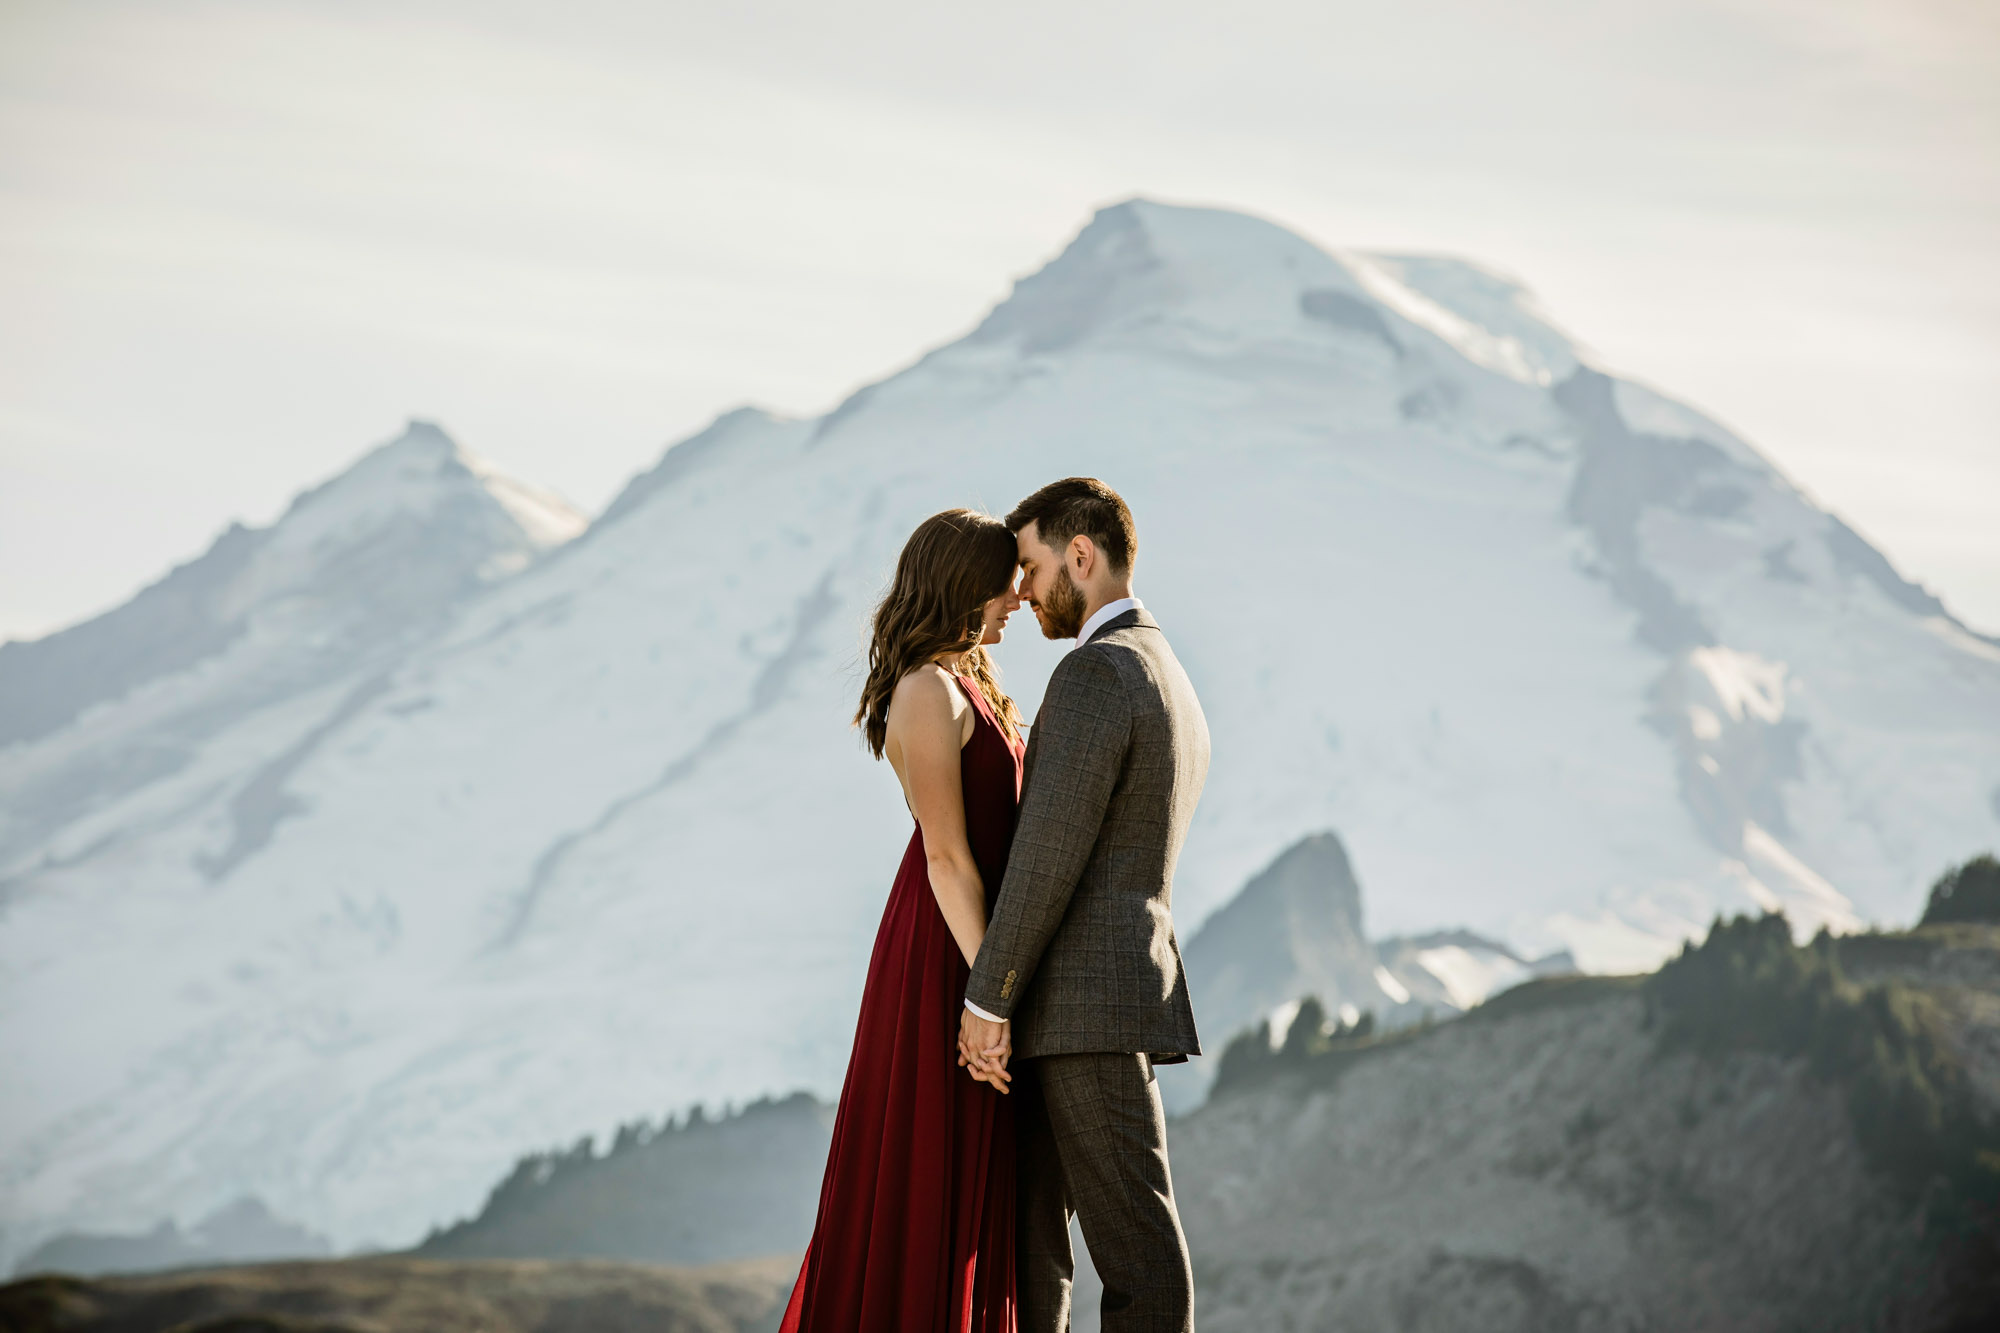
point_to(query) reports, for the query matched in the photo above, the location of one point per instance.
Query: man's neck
(1093, 607)
(1092, 603)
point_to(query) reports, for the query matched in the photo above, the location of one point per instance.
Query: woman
(916, 1214)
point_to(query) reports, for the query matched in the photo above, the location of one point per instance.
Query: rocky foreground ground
(405, 1295)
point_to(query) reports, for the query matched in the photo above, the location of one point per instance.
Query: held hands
(983, 1048)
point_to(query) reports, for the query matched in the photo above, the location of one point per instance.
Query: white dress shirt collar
(1108, 611)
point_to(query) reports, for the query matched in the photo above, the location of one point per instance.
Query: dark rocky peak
(1294, 930)
(1310, 888)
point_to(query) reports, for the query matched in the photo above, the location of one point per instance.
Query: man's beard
(1061, 608)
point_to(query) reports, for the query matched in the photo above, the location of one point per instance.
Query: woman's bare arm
(928, 723)
(926, 728)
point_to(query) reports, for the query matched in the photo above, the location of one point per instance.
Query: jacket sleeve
(1080, 737)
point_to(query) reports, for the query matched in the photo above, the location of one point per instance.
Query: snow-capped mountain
(357, 571)
(1566, 663)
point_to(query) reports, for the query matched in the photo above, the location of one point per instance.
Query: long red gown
(916, 1214)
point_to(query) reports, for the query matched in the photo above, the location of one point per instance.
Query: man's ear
(1082, 555)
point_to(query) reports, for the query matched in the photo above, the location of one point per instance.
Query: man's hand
(983, 1048)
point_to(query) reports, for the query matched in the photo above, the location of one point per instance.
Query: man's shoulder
(1093, 663)
(1093, 678)
(1118, 665)
(1129, 648)
(1122, 656)
(1143, 664)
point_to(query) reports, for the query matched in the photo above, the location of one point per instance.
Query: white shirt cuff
(991, 1018)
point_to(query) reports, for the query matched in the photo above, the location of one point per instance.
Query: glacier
(431, 824)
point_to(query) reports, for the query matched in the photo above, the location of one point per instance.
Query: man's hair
(1080, 507)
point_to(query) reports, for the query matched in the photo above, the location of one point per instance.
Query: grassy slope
(688, 1192)
(1757, 1137)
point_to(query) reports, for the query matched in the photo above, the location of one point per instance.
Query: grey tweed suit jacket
(1081, 953)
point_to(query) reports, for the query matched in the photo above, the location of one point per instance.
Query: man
(1079, 975)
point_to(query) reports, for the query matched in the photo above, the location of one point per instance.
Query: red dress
(916, 1215)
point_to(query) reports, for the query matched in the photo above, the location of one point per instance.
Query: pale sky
(242, 242)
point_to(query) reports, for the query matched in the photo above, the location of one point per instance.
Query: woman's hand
(984, 1048)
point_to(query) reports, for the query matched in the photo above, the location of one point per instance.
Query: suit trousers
(1091, 1139)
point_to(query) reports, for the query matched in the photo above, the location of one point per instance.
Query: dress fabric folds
(916, 1214)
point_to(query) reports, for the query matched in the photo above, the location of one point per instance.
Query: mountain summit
(387, 864)
(1141, 269)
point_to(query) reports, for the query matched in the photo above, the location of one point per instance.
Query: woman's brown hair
(952, 566)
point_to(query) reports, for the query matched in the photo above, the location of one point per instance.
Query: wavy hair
(951, 567)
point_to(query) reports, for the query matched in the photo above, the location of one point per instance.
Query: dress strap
(977, 696)
(984, 707)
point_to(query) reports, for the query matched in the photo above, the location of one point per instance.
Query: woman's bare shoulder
(927, 690)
